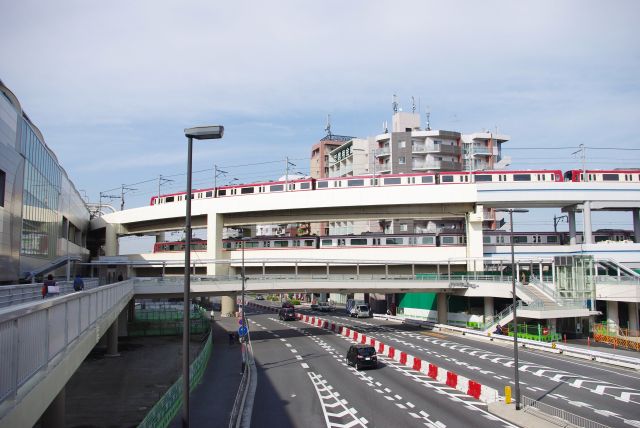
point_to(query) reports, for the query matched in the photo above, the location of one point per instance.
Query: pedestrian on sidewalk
(49, 286)
(78, 283)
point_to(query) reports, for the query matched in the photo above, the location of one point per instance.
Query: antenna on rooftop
(428, 121)
(385, 127)
(394, 103)
(328, 127)
(413, 105)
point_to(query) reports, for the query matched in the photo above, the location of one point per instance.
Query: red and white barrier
(453, 380)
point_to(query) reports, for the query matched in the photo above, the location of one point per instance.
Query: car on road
(287, 304)
(314, 306)
(287, 314)
(326, 307)
(361, 311)
(362, 356)
(259, 297)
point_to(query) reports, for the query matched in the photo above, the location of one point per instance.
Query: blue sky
(113, 84)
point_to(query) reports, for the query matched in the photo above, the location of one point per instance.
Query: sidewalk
(531, 418)
(212, 400)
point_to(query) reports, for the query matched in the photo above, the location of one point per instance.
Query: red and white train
(379, 240)
(419, 179)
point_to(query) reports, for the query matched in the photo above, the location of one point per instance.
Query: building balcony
(418, 165)
(384, 151)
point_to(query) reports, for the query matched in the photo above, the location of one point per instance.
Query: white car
(325, 307)
(362, 311)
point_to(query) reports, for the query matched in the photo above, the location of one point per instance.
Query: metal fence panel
(73, 317)
(57, 329)
(32, 346)
(8, 357)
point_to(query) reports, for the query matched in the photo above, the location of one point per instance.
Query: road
(606, 394)
(304, 381)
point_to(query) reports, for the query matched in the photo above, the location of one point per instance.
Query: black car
(287, 314)
(287, 304)
(361, 356)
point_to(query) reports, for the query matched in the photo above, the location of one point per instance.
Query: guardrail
(32, 337)
(17, 294)
(558, 416)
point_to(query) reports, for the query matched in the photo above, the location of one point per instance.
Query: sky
(112, 85)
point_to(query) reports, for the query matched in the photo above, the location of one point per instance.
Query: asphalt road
(599, 392)
(304, 381)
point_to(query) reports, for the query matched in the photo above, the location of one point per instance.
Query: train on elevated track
(414, 179)
(380, 240)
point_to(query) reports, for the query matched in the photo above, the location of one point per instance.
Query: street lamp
(513, 291)
(199, 133)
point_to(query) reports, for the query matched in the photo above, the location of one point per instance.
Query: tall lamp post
(513, 292)
(198, 133)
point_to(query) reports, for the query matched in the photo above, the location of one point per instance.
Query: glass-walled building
(42, 216)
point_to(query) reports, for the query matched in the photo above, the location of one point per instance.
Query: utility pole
(286, 177)
(216, 173)
(583, 157)
(161, 181)
(123, 190)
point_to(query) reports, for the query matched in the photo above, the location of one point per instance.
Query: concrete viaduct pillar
(474, 240)
(489, 308)
(55, 415)
(571, 216)
(633, 316)
(586, 214)
(112, 340)
(613, 321)
(214, 251)
(111, 240)
(443, 316)
(636, 225)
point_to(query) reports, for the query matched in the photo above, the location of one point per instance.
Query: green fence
(533, 332)
(166, 320)
(166, 409)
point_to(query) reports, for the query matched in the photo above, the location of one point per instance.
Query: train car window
(427, 179)
(376, 241)
(552, 239)
(305, 185)
(309, 242)
(280, 244)
(179, 198)
(466, 178)
(394, 241)
(169, 199)
(342, 242)
(483, 177)
(519, 239)
(610, 177)
(446, 178)
(428, 240)
(486, 240)
(322, 184)
(359, 241)
(222, 192)
(276, 188)
(394, 180)
(447, 240)
(246, 190)
(327, 242)
(353, 183)
(600, 238)
(251, 244)
(521, 177)
(208, 194)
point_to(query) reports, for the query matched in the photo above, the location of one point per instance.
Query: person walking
(78, 283)
(48, 286)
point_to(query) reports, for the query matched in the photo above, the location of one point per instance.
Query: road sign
(241, 321)
(242, 331)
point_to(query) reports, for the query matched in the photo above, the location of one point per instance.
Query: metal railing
(559, 416)
(31, 337)
(17, 294)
